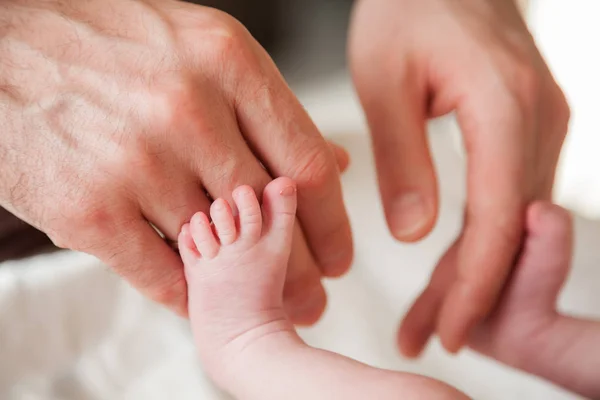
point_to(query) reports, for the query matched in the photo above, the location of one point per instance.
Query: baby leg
(235, 270)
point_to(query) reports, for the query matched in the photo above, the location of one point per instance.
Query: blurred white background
(568, 33)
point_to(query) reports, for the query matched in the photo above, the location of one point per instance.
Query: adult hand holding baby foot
(117, 114)
(476, 58)
(235, 270)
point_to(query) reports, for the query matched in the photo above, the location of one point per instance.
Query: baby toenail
(288, 191)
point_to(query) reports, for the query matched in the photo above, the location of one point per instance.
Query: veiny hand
(525, 330)
(414, 60)
(116, 114)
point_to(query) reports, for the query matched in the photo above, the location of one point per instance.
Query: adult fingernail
(410, 214)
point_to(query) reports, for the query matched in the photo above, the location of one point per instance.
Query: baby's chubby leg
(235, 270)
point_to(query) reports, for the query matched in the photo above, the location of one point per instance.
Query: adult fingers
(342, 157)
(396, 113)
(420, 322)
(497, 136)
(305, 296)
(282, 135)
(176, 199)
(136, 252)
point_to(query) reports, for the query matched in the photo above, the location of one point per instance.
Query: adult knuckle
(314, 167)
(527, 84)
(97, 228)
(141, 160)
(224, 22)
(227, 52)
(560, 111)
(263, 93)
(80, 226)
(368, 78)
(149, 155)
(227, 39)
(175, 104)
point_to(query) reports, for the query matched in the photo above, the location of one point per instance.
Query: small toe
(203, 235)
(250, 213)
(279, 205)
(222, 218)
(187, 247)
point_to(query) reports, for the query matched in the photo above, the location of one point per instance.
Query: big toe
(549, 233)
(546, 255)
(279, 206)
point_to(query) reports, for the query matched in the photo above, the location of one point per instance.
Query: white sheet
(70, 329)
(568, 35)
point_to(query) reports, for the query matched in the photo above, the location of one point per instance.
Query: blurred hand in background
(416, 60)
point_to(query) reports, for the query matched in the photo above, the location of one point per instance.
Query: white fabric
(70, 329)
(568, 35)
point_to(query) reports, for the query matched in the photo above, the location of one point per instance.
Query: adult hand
(119, 114)
(414, 60)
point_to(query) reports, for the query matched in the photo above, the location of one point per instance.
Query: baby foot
(514, 333)
(235, 269)
(527, 304)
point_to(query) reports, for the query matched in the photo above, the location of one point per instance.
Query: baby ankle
(246, 350)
